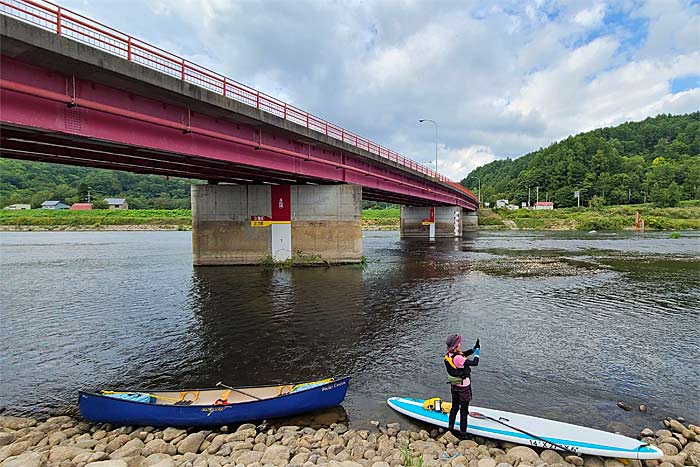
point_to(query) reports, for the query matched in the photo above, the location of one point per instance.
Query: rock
(16, 423)
(191, 443)
(663, 434)
(647, 432)
(678, 459)
(503, 464)
(486, 463)
(374, 423)
(551, 457)
(6, 438)
(524, 453)
(672, 440)
(130, 449)
(216, 444)
(668, 449)
(242, 434)
(624, 405)
(340, 428)
(170, 434)
(642, 408)
(613, 463)
(692, 447)
(27, 459)
(676, 426)
(165, 463)
(59, 454)
(110, 463)
(351, 464)
(593, 461)
(448, 438)
(156, 458)
(248, 457)
(575, 460)
(155, 447)
(393, 429)
(277, 455)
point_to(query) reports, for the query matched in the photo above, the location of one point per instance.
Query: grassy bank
(373, 219)
(684, 217)
(96, 218)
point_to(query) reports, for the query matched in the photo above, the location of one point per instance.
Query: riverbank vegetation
(684, 217)
(656, 160)
(96, 218)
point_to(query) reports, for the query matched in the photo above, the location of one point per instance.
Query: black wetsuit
(461, 395)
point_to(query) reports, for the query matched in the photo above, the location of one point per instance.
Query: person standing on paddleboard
(458, 368)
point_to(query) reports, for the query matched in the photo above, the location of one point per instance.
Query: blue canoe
(210, 407)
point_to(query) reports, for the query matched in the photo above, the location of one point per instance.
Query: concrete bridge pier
(435, 222)
(247, 224)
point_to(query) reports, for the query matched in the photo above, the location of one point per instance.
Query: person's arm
(476, 352)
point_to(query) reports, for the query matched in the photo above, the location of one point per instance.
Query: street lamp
(436, 139)
(474, 176)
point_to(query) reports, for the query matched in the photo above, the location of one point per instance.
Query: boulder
(109, 463)
(613, 463)
(169, 462)
(27, 459)
(130, 449)
(486, 463)
(156, 446)
(16, 423)
(242, 434)
(170, 434)
(156, 458)
(668, 449)
(59, 454)
(575, 460)
(676, 426)
(6, 438)
(191, 443)
(248, 457)
(593, 461)
(524, 454)
(551, 456)
(276, 455)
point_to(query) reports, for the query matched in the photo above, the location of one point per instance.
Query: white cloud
(502, 79)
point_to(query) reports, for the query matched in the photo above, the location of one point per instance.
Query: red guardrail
(67, 23)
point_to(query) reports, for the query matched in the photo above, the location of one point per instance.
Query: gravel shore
(65, 441)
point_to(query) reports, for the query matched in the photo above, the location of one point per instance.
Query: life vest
(455, 375)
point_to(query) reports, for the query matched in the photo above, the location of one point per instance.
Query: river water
(569, 322)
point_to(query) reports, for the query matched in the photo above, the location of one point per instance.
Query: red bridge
(74, 91)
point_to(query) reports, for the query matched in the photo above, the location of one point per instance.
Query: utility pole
(645, 196)
(537, 197)
(88, 196)
(528, 197)
(629, 195)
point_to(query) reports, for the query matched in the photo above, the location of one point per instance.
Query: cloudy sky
(501, 78)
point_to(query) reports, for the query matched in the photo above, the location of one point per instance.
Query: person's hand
(477, 345)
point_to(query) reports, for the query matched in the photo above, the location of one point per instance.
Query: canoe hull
(99, 408)
(577, 439)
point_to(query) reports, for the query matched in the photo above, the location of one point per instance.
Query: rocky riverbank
(68, 442)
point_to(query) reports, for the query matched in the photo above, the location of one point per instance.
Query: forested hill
(35, 182)
(658, 158)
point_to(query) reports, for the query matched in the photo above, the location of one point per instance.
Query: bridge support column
(247, 224)
(470, 221)
(431, 222)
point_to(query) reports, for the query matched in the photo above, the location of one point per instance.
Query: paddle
(237, 390)
(559, 446)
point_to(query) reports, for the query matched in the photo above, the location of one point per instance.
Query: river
(570, 323)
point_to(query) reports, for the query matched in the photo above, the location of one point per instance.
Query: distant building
(54, 205)
(117, 203)
(18, 207)
(513, 207)
(501, 203)
(81, 207)
(544, 205)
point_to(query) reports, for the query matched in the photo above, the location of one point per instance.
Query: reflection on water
(603, 318)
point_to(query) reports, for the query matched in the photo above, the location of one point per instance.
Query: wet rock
(191, 443)
(647, 432)
(523, 453)
(624, 405)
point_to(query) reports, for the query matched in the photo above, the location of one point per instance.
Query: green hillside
(657, 160)
(35, 182)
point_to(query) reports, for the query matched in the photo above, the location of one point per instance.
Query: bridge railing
(67, 23)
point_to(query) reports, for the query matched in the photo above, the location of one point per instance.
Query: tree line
(656, 160)
(35, 182)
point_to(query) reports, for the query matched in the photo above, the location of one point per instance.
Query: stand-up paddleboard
(531, 431)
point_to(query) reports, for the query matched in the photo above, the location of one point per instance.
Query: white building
(501, 203)
(18, 207)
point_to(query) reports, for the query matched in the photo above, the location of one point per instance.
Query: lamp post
(436, 139)
(474, 176)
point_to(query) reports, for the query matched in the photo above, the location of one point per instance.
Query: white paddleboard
(548, 434)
